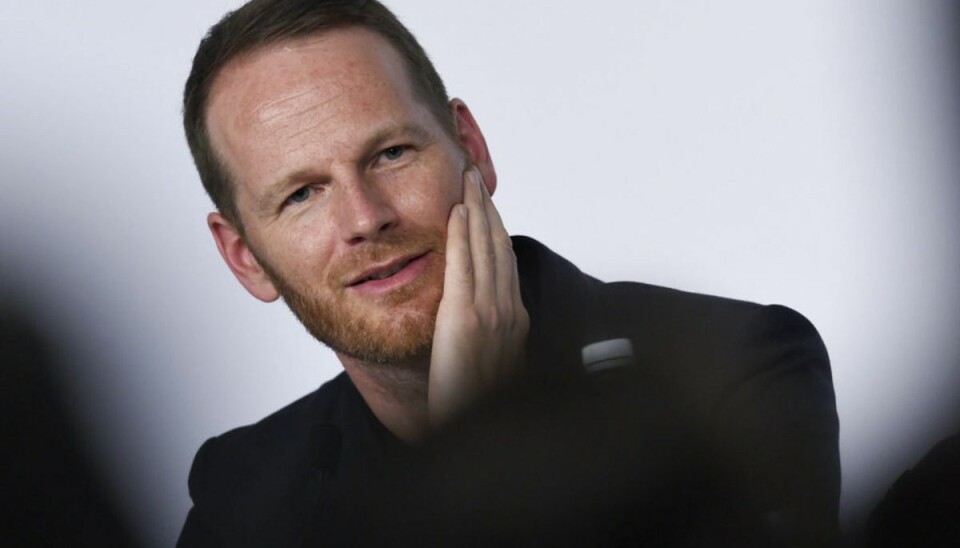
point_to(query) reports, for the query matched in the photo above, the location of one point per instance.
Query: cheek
(427, 206)
(300, 251)
(429, 195)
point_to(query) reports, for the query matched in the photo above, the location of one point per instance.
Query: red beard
(393, 328)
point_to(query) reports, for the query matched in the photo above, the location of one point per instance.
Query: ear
(244, 265)
(473, 142)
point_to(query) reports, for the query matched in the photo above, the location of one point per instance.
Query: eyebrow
(278, 189)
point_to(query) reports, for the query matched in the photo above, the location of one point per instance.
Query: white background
(800, 152)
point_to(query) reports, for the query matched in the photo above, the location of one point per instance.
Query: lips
(384, 271)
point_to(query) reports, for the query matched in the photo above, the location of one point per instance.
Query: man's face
(344, 182)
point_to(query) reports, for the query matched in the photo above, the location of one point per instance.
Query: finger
(507, 280)
(497, 230)
(481, 244)
(458, 273)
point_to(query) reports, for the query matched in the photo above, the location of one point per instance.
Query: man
(349, 184)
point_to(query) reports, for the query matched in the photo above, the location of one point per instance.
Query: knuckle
(492, 319)
(471, 321)
(504, 241)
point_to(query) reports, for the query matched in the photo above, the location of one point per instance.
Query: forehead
(335, 61)
(320, 91)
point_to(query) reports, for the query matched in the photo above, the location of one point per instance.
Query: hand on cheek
(481, 325)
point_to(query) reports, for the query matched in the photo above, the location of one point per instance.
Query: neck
(396, 393)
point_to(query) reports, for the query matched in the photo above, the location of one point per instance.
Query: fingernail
(461, 210)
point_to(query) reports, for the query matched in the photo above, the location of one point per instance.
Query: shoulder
(248, 474)
(668, 312)
(704, 345)
(755, 379)
(715, 347)
(259, 440)
(916, 509)
(758, 379)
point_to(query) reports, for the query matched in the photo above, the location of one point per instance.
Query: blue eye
(300, 195)
(394, 153)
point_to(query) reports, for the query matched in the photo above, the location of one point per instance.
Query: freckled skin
(311, 106)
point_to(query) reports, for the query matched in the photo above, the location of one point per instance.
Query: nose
(364, 211)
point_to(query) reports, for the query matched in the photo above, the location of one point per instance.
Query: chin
(395, 337)
(376, 333)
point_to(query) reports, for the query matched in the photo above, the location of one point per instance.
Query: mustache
(389, 245)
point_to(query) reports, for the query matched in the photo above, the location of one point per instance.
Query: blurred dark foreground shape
(48, 493)
(922, 508)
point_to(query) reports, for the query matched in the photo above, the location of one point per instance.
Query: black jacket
(753, 380)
